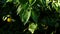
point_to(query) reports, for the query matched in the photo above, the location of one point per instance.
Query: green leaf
(30, 1)
(55, 5)
(52, 33)
(59, 4)
(32, 27)
(22, 7)
(35, 16)
(24, 12)
(25, 6)
(25, 16)
(16, 1)
(43, 2)
(19, 9)
(47, 1)
(9, 0)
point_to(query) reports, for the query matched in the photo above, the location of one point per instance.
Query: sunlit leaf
(30, 1)
(9, 0)
(55, 5)
(47, 1)
(32, 27)
(19, 9)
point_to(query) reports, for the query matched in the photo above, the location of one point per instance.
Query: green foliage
(32, 27)
(24, 12)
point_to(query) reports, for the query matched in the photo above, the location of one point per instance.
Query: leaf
(55, 5)
(25, 16)
(47, 1)
(25, 6)
(51, 0)
(43, 2)
(22, 7)
(32, 27)
(19, 9)
(16, 2)
(24, 12)
(52, 33)
(30, 1)
(35, 16)
(9, 0)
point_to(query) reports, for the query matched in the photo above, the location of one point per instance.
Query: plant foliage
(30, 16)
